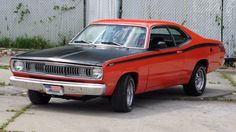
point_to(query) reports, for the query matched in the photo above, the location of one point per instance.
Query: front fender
(113, 73)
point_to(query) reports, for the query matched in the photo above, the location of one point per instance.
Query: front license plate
(54, 89)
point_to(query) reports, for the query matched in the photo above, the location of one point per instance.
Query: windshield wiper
(86, 42)
(81, 41)
(112, 43)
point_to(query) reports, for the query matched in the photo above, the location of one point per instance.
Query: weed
(22, 11)
(6, 42)
(229, 78)
(212, 82)
(12, 119)
(11, 110)
(2, 84)
(63, 8)
(4, 67)
(35, 42)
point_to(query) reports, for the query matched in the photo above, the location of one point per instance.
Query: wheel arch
(134, 75)
(204, 62)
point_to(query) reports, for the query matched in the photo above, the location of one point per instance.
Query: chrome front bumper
(69, 87)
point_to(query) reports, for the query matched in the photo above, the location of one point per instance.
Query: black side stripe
(199, 46)
(164, 54)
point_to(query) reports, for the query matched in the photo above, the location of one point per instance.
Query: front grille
(59, 69)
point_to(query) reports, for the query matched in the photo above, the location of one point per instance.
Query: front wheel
(38, 98)
(197, 83)
(123, 96)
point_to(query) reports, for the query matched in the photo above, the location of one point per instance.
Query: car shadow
(145, 104)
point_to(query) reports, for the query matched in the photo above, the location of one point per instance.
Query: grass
(4, 67)
(11, 110)
(229, 78)
(13, 118)
(214, 82)
(2, 84)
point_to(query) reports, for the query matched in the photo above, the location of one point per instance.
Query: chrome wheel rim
(130, 93)
(199, 79)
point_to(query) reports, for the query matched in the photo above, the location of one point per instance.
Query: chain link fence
(198, 15)
(201, 16)
(101, 9)
(62, 19)
(51, 19)
(230, 28)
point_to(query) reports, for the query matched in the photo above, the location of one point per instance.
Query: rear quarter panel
(206, 49)
(213, 54)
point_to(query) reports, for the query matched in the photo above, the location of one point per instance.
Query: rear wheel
(197, 83)
(38, 98)
(123, 96)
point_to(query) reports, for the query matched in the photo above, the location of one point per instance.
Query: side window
(161, 34)
(179, 36)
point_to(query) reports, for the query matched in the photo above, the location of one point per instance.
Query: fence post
(120, 8)
(222, 20)
(85, 12)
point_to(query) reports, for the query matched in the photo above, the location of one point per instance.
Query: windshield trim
(145, 42)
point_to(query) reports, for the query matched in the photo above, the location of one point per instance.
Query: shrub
(26, 43)
(6, 42)
(34, 42)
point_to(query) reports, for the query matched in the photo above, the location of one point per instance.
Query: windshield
(118, 35)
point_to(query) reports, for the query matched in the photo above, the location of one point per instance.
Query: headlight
(97, 73)
(17, 65)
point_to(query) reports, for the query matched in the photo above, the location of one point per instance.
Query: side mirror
(161, 45)
(157, 46)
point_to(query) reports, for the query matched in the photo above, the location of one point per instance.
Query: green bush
(34, 42)
(6, 42)
(25, 43)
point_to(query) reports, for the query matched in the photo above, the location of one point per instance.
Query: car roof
(146, 23)
(135, 22)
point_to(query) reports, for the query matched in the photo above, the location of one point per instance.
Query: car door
(166, 67)
(181, 40)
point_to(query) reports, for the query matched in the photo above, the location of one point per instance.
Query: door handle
(179, 51)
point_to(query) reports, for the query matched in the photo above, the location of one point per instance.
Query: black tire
(191, 89)
(38, 98)
(119, 98)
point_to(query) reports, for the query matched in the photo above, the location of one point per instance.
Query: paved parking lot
(166, 110)
(96, 116)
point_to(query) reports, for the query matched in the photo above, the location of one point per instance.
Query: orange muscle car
(119, 59)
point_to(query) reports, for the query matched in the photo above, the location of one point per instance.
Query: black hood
(80, 55)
